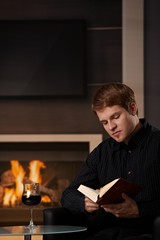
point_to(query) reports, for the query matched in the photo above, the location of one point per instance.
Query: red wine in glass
(32, 200)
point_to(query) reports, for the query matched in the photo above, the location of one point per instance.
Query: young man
(132, 151)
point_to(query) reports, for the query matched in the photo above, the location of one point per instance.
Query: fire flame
(9, 197)
(12, 196)
(18, 173)
(35, 167)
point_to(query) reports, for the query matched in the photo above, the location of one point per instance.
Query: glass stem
(31, 217)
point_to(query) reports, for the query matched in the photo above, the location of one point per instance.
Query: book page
(89, 192)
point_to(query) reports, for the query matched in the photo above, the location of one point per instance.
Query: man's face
(119, 123)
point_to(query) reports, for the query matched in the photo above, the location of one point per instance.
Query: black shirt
(139, 162)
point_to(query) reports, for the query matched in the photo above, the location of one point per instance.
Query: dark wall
(104, 63)
(151, 61)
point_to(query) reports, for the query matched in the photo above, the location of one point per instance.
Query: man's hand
(127, 209)
(90, 206)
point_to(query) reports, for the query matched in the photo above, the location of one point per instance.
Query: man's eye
(116, 116)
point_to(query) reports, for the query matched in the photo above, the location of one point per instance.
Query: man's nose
(111, 125)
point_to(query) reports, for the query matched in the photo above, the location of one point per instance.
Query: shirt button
(129, 172)
(130, 151)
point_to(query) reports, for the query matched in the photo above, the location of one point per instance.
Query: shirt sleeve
(72, 199)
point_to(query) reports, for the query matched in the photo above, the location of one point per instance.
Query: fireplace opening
(53, 164)
(53, 177)
(50, 164)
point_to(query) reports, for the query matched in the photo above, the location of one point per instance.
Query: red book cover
(114, 193)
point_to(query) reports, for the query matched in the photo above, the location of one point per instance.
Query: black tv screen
(42, 58)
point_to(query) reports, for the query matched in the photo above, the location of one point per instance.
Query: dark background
(151, 60)
(42, 56)
(103, 64)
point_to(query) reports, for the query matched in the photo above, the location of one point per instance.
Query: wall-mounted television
(42, 58)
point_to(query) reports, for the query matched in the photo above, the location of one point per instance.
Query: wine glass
(31, 197)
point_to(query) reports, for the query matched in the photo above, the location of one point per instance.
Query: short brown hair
(112, 94)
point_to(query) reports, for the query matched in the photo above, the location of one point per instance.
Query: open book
(111, 192)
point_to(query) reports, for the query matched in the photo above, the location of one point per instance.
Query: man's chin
(119, 140)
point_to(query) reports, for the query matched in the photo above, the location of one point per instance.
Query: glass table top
(40, 230)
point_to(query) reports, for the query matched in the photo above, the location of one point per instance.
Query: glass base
(31, 226)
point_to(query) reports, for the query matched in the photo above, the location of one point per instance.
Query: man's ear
(133, 108)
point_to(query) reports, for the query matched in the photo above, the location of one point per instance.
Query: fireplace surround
(63, 152)
(92, 139)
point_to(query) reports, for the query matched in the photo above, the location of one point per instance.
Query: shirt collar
(136, 139)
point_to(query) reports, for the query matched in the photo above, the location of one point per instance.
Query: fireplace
(58, 157)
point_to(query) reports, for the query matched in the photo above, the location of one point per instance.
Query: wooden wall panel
(98, 13)
(104, 63)
(104, 55)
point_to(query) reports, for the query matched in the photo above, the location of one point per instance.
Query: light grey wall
(133, 50)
